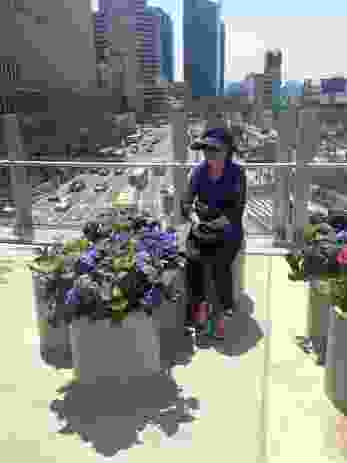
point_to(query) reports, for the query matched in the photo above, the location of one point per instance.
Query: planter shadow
(110, 416)
(57, 359)
(176, 350)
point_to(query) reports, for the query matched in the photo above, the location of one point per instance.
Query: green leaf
(117, 293)
(47, 264)
(310, 232)
(119, 305)
(76, 247)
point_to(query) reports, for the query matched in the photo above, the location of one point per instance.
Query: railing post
(20, 181)
(180, 151)
(308, 142)
(287, 137)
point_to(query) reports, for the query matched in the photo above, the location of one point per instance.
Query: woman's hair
(232, 147)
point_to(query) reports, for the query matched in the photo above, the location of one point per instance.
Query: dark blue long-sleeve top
(227, 193)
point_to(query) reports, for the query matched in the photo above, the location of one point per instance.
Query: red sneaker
(219, 330)
(200, 314)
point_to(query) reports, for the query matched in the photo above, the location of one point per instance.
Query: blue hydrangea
(72, 296)
(87, 261)
(342, 235)
(152, 297)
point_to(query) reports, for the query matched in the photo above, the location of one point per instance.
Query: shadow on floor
(111, 416)
(242, 331)
(6, 267)
(57, 358)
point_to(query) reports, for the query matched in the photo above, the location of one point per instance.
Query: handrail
(86, 164)
(255, 251)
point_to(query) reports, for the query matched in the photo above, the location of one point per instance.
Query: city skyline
(249, 36)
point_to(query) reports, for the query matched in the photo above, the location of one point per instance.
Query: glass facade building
(166, 44)
(202, 47)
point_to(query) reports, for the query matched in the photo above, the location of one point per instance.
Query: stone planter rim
(339, 313)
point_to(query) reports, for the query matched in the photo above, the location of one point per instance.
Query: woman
(219, 184)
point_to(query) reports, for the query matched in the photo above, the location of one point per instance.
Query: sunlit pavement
(240, 408)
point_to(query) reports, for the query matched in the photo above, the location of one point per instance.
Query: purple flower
(342, 235)
(152, 297)
(87, 261)
(72, 296)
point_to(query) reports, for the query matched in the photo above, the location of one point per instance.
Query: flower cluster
(116, 267)
(324, 257)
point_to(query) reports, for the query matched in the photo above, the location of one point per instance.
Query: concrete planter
(55, 345)
(169, 317)
(101, 351)
(318, 316)
(336, 361)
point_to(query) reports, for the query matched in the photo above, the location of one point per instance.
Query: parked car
(134, 148)
(103, 172)
(63, 205)
(118, 171)
(101, 187)
(77, 186)
(149, 149)
(94, 170)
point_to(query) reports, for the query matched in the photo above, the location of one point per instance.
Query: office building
(222, 58)
(166, 44)
(45, 45)
(201, 36)
(272, 77)
(123, 26)
(155, 89)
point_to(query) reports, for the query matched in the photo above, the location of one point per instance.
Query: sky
(311, 45)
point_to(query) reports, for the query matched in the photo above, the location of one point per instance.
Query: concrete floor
(257, 399)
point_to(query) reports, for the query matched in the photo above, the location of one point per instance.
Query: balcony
(258, 396)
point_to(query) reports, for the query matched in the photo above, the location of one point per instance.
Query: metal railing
(181, 165)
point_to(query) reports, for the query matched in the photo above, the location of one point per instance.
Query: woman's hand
(219, 223)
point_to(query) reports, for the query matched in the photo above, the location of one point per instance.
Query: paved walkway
(257, 399)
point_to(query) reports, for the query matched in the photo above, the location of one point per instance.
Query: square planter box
(336, 362)
(318, 316)
(169, 318)
(55, 345)
(104, 351)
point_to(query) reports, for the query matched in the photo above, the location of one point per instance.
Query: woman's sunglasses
(211, 149)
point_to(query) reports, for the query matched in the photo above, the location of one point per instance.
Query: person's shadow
(242, 331)
(110, 415)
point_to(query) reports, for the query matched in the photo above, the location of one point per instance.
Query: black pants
(221, 261)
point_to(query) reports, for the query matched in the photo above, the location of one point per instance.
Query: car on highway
(63, 205)
(118, 171)
(53, 198)
(7, 209)
(167, 190)
(103, 172)
(101, 187)
(77, 186)
(139, 178)
(133, 148)
(120, 154)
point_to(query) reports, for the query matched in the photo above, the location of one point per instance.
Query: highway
(87, 203)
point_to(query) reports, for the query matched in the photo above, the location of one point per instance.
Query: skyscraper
(272, 76)
(166, 44)
(222, 58)
(201, 36)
